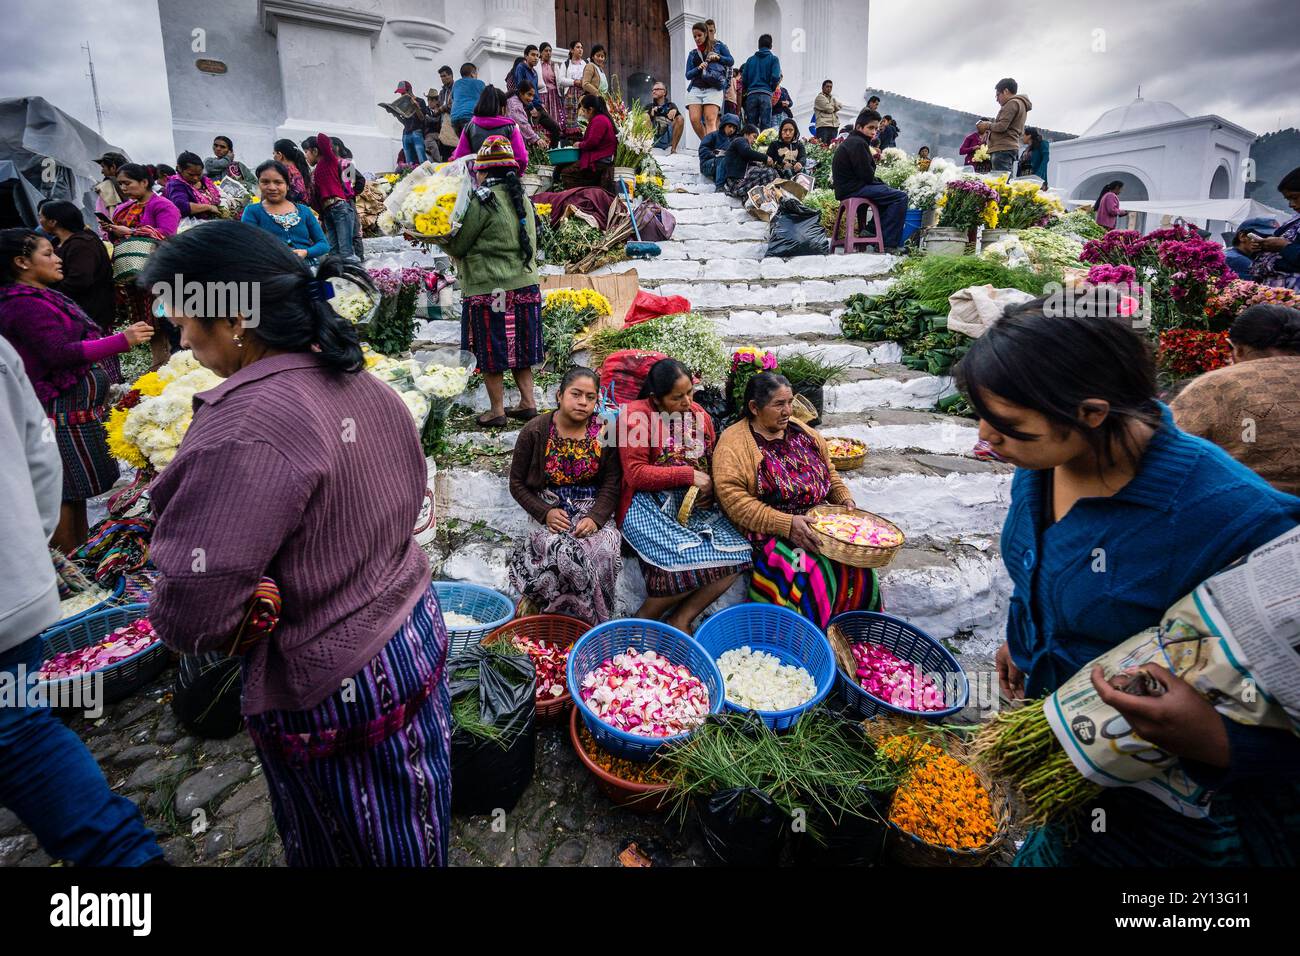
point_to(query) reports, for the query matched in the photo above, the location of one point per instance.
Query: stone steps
(751, 269)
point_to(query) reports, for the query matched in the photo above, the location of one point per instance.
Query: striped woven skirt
(78, 415)
(506, 339)
(812, 585)
(364, 779)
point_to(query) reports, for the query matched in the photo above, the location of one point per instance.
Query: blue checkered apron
(707, 540)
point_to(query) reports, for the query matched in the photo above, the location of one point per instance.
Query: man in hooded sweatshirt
(714, 147)
(760, 77)
(1007, 129)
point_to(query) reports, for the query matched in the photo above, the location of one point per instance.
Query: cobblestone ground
(207, 801)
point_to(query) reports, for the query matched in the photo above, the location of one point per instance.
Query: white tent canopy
(1220, 210)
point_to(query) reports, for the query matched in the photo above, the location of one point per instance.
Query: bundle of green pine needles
(823, 766)
(1020, 747)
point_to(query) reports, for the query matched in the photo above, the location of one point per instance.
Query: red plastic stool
(851, 241)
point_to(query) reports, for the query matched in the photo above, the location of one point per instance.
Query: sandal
(523, 414)
(497, 422)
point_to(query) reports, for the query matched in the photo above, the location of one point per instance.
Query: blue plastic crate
(491, 609)
(614, 637)
(120, 678)
(782, 633)
(908, 642)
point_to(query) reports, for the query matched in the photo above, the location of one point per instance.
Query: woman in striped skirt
(62, 349)
(346, 699)
(770, 470)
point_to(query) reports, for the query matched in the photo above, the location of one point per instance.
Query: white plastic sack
(973, 310)
(417, 192)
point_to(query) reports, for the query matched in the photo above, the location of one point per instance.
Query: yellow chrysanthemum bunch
(436, 222)
(991, 214)
(543, 210)
(149, 384)
(579, 299)
(118, 446)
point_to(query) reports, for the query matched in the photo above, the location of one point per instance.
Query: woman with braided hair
(346, 700)
(501, 318)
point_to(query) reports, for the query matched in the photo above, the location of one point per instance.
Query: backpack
(475, 135)
(623, 373)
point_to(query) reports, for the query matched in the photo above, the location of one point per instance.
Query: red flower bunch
(130, 400)
(1119, 247)
(1187, 352)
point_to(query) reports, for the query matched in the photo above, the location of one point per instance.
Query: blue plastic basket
(782, 633)
(606, 640)
(120, 678)
(491, 609)
(118, 590)
(908, 642)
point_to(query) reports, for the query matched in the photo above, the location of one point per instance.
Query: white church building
(1158, 152)
(259, 70)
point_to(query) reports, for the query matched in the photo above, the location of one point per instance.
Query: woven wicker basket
(556, 628)
(804, 410)
(907, 849)
(688, 505)
(848, 462)
(854, 555)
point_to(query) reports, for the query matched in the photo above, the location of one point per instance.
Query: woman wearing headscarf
(501, 296)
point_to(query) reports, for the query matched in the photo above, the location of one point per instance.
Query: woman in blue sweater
(1115, 515)
(292, 222)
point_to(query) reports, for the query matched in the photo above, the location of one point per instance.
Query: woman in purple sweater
(61, 349)
(303, 468)
(142, 213)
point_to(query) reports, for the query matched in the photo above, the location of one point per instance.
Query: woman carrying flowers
(501, 318)
(568, 481)
(61, 349)
(346, 700)
(770, 469)
(666, 443)
(1115, 515)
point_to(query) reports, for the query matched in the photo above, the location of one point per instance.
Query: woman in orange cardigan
(769, 470)
(665, 442)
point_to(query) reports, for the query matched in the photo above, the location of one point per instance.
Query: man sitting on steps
(854, 172)
(714, 147)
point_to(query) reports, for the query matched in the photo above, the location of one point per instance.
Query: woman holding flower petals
(501, 321)
(568, 481)
(346, 700)
(770, 470)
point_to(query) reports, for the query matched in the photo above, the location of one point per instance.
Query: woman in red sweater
(595, 165)
(665, 446)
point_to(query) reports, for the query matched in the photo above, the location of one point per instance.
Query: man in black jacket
(854, 172)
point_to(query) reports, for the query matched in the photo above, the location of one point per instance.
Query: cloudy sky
(1074, 58)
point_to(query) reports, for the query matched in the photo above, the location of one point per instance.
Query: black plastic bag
(715, 403)
(487, 774)
(743, 827)
(852, 841)
(796, 230)
(206, 697)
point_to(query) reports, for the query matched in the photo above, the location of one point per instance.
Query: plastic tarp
(33, 132)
